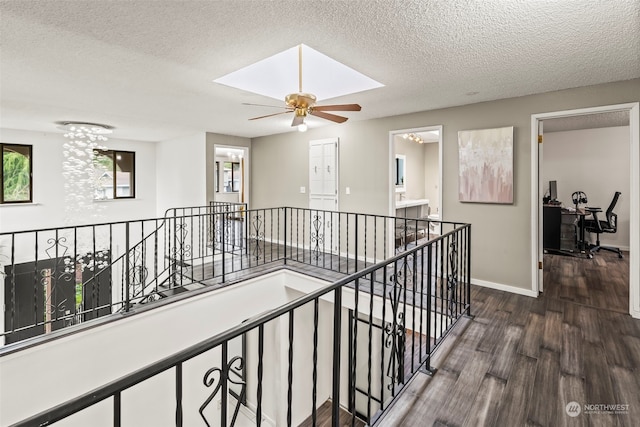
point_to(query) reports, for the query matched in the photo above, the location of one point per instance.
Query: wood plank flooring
(522, 360)
(323, 417)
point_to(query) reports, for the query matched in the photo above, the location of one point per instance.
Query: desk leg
(583, 244)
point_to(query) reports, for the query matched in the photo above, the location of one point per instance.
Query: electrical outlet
(303, 190)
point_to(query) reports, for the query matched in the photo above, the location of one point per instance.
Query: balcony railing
(401, 284)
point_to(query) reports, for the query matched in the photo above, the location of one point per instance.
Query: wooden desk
(563, 230)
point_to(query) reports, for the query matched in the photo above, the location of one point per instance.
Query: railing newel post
(127, 280)
(223, 227)
(337, 330)
(285, 235)
(356, 243)
(468, 278)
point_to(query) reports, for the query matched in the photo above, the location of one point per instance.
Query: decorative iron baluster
(60, 273)
(153, 296)
(181, 250)
(218, 221)
(317, 238)
(395, 339)
(232, 236)
(452, 279)
(405, 268)
(5, 261)
(401, 245)
(257, 235)
(137, 271)
(222, 375)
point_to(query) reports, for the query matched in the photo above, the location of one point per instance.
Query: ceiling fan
(303, 104)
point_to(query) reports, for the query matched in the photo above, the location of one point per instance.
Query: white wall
(84, 361)
(595, 161)
(181, 172)
(62, 369)
(48, 207)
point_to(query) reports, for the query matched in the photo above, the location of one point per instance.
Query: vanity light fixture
(413, 137)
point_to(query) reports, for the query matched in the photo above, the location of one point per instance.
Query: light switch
(347, 190)
(303, 190)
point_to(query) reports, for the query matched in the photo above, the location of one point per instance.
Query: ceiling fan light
(302, 127)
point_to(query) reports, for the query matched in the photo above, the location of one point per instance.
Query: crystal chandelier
(79, 169)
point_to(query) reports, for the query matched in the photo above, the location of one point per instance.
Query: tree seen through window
(16, 173)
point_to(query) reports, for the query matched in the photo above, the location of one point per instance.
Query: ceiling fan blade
(343, 107)
(270, 115)
(263, 105)
(297, 120)
(332, 117)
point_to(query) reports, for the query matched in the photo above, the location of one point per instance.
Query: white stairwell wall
(43, 376)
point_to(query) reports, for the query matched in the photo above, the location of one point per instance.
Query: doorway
(323, 174)
(538, 189)
(415, 171)
(231, 174)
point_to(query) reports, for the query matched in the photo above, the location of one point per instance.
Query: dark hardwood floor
(601, 282)
(520, 361)
(324, 418)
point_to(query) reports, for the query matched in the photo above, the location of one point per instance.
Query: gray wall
(431, 175)
(501, 249)
(595, 161)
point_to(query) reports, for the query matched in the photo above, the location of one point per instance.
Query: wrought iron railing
(391, 314)
(59, 277)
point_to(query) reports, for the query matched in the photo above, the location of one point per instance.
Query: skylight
(277, 76)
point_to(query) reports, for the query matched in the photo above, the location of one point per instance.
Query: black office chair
(610, 225)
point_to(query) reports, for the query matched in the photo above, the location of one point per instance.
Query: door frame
(634, 226)
(245, 177)
(390, 180)
(332, 140)
(391, 190)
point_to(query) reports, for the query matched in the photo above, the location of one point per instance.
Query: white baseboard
(505, 288)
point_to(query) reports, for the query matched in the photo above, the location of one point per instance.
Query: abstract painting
(486, 165)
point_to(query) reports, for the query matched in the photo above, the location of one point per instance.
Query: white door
(323, 174)
(323, 195)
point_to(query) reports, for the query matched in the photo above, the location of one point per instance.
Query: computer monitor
(553, 191)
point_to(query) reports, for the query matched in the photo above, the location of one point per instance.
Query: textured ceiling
(146, 67)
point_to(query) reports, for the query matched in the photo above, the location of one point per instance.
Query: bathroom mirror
(400, 173)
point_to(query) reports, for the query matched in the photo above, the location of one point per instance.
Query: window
(231, 177)
(16, 173)
(115, 174)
